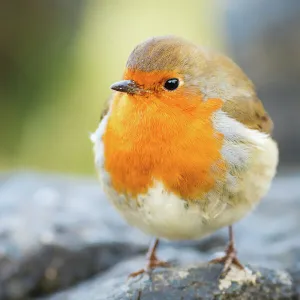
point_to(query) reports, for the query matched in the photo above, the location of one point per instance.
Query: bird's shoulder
(237, 91)
(250, 112)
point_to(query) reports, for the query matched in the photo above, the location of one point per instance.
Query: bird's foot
(153, 264)
(228, 260)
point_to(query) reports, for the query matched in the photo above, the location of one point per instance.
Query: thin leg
(151, 254)
(230, 231)
(230, 257)
(152, 260)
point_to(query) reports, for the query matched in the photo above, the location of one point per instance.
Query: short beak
(126, 86)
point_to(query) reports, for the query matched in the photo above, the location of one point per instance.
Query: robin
(184, 147)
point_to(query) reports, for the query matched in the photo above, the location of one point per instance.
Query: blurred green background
(59, 57)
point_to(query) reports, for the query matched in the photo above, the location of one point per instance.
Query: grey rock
(57, 231)
(295, 274)
(189, 283)
(118, 274)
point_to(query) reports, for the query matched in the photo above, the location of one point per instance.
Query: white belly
(165, 215)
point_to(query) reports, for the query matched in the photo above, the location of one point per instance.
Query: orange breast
(148, 140)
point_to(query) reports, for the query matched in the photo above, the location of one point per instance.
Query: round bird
(184, 147)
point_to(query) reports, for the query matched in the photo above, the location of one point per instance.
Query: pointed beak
(126, 86)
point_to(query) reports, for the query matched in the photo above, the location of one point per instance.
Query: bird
(184, 146)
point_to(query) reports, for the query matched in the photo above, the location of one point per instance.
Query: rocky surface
(57, 231)
(190, 283)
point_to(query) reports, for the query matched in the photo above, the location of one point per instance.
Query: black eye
(171, 84)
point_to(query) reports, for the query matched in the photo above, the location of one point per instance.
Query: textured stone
(57, 231)
(189, 283)
(295, 274)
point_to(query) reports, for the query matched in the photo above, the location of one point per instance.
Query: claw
(228, 260)
(153, 262)
(230, 257)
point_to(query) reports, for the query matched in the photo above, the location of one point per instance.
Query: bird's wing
(237, 91)
(250, 112)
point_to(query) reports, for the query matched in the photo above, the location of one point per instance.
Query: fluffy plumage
(182, 164)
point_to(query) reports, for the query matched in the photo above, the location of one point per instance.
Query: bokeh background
(58, 59)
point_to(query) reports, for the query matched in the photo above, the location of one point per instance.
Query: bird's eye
(171, 84)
